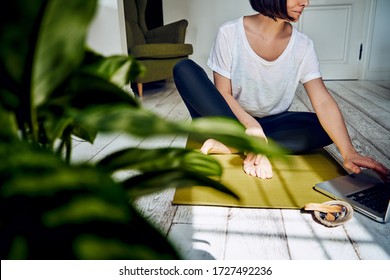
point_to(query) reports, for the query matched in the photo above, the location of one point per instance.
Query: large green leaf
(153, 160)
(52, 88)
(60, 45)
(81, 91)
(151, 182)
(142, 122)
(92, 247)
(86, 90)
(41, 43)
(18, 30)
(49, 210)
(18, 38)
(86, 134)
(118, 69)
(36, 173)
(137, 121)
(8, 126)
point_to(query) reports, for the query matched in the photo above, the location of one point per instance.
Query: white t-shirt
(262, 87)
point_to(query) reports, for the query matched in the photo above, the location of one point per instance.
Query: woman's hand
(355, 161)
(257, 165)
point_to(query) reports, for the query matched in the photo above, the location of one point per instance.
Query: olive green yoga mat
(291, 186)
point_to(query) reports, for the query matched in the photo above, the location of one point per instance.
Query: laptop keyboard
(376, 198)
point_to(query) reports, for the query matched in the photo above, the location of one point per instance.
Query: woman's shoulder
(303, 45)
(301, 38)
(231, 24)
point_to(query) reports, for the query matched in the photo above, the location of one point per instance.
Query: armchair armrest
(171, 33)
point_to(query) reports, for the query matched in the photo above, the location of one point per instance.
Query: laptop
(366, 193)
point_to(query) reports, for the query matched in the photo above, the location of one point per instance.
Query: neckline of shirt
(258, 57)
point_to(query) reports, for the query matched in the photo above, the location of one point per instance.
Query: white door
(337, 29)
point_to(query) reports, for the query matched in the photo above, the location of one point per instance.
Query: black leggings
(298, 132)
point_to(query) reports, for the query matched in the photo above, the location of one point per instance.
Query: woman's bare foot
(258, 165)
(254, 165)
(212, 146)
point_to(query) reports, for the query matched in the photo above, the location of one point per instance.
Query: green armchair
(158, 49)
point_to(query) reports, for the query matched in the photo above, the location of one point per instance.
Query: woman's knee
(183, 66)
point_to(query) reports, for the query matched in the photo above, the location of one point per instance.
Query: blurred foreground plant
(53, 88)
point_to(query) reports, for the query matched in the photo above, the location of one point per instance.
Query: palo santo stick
(330, 217)
(323, 208)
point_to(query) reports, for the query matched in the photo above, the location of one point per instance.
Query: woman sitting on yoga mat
(258, 61)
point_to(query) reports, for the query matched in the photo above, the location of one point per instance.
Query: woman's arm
(224, 86)
(332, 121)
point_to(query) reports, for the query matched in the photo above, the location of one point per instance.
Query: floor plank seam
(285, 234)
(352, 243)
(229, 215)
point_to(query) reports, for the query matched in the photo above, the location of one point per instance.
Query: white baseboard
(377, 74)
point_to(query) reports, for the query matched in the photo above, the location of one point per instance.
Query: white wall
(107, 33)
(378, 66)
(205, 16)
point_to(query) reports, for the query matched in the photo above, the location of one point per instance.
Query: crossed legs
(298, 132)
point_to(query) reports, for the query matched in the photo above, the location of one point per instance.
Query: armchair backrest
(135, 21)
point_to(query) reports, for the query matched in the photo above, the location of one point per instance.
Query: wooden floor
(269, 234)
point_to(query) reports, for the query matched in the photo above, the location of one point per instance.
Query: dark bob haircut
(271, 8)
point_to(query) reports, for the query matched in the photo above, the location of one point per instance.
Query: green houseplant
(53, 87)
